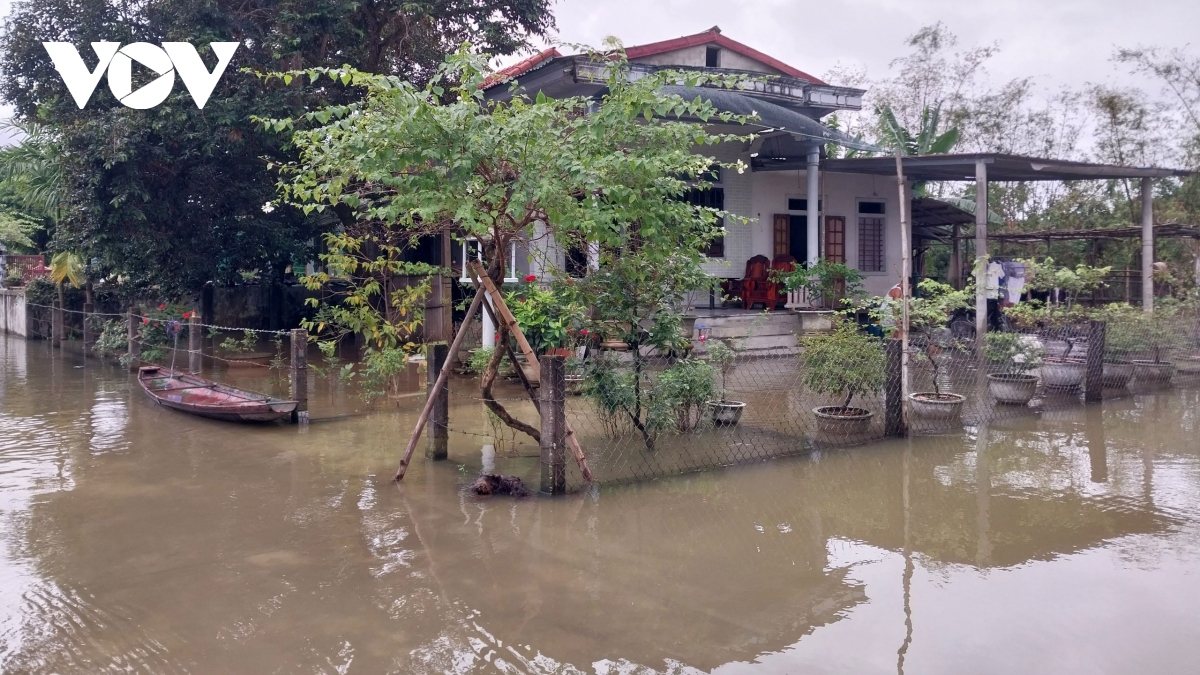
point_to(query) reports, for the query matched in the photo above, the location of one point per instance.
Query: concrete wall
(696, 57)
(12, 312)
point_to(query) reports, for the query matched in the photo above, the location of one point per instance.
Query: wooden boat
(195, 395)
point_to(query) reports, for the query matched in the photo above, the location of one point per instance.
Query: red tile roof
(712, 35)
(521, 67)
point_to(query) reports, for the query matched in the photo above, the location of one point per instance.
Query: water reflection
(135, 538)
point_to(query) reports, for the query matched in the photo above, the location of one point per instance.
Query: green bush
(845, 362)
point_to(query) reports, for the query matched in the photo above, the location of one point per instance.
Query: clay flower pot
(838, 421)
(1012, 388)
(1063, 373)
(936, 406)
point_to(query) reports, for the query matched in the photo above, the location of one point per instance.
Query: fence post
(437, 436)
(193, 344)
(299, 375)
(134, 349)
(88, 338)
(893, 393)
(56, 325)
(553, 406)
(1094, 382)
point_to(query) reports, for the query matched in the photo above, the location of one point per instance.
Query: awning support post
(814, 204)
(981, 250)
(1147, 245)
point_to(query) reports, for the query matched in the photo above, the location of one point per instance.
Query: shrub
(845, 362)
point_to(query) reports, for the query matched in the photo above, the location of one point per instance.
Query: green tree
(426, 159)
(174, 196)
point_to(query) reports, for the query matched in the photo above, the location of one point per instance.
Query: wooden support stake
(554, 425)
(88, 338)
(1094, 382)
(443, 375)
(510, 321)
(133, 349)
(512, 356)
(906, 248)
(299, 375)
(194, 339)
(893, 396)
(438, 439)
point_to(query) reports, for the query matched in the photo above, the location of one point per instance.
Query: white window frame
(883, 235)
(512, 259)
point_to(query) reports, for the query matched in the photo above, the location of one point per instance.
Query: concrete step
(757, 343)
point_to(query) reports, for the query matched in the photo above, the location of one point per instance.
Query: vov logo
(171, 58)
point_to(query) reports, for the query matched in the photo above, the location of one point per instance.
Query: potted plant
(1058, 318)
(545, 315)
(1015, 355)
(1120, 342)
(680, 395)
(724, 411)
(932, 345)
(844, 363)
(828, 286)
(1157, 336)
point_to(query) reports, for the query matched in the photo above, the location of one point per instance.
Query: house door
(791, 236)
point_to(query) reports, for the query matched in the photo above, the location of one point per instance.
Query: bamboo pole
(510, 321)
(442, 377)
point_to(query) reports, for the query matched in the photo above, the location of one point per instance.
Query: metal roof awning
(1000, 167)
(1161, 230)
(772, 118)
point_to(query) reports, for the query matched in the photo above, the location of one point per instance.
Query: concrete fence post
(893, 390)
(552, 404)
(56, 325)
(299, 375)
(194, 344)
(89, 338)
(437, 435)
(134, 348)
(1094, 380)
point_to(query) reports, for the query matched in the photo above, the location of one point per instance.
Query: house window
(870, 236)
(713, 197)
(712, 57)
(801, 204)
(835, 239)
(575, 260)
(471, 248)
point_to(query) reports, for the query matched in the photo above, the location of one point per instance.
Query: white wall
(840, 194)
(12, 312)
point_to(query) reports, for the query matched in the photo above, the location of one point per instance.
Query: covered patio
(981, 168)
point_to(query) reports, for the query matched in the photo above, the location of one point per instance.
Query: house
(854, 218)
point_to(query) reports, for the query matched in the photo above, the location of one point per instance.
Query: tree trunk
(488, 378)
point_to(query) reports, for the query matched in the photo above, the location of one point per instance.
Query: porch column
(1147, 246)
(489, 328)
(814, 204)
(956, 259)
(981, 250)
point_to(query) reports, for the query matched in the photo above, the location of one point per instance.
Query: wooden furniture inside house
(757, 285)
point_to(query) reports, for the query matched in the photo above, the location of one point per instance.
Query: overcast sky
(1059, 42)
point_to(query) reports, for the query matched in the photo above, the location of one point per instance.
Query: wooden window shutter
(783, 234)
(835, 239)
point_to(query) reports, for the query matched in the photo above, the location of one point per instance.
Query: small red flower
(702, 336)
(571, 281)
(162, 306)
(187, 315)
(531, 278)
(156, 324)
(145, 320)
(583, 332)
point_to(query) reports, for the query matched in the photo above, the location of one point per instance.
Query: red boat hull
(197, 396)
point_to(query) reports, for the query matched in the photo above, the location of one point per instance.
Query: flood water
(137, 539)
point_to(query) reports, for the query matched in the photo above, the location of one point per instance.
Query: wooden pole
(437, 445)
(443, 375)
(134, 349)
(1147, 246)
(893, 393)
(906, 281)
(299, 375)
(194, 344)
(1094, 382)
(56, 325)
(511, 321)
(554, 425)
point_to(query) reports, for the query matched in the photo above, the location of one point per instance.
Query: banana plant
(66, 266)
(926, 141)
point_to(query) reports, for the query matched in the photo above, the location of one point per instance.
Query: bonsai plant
(680, 395)
(1015, 355)
(845, 364)
(932, 344)
(1156, 335)
(1059, 318)
(724, 411)
(827, 284)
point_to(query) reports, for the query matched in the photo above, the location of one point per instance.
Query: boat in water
(198, 396)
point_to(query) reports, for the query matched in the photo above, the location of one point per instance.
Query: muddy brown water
(138, 539)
